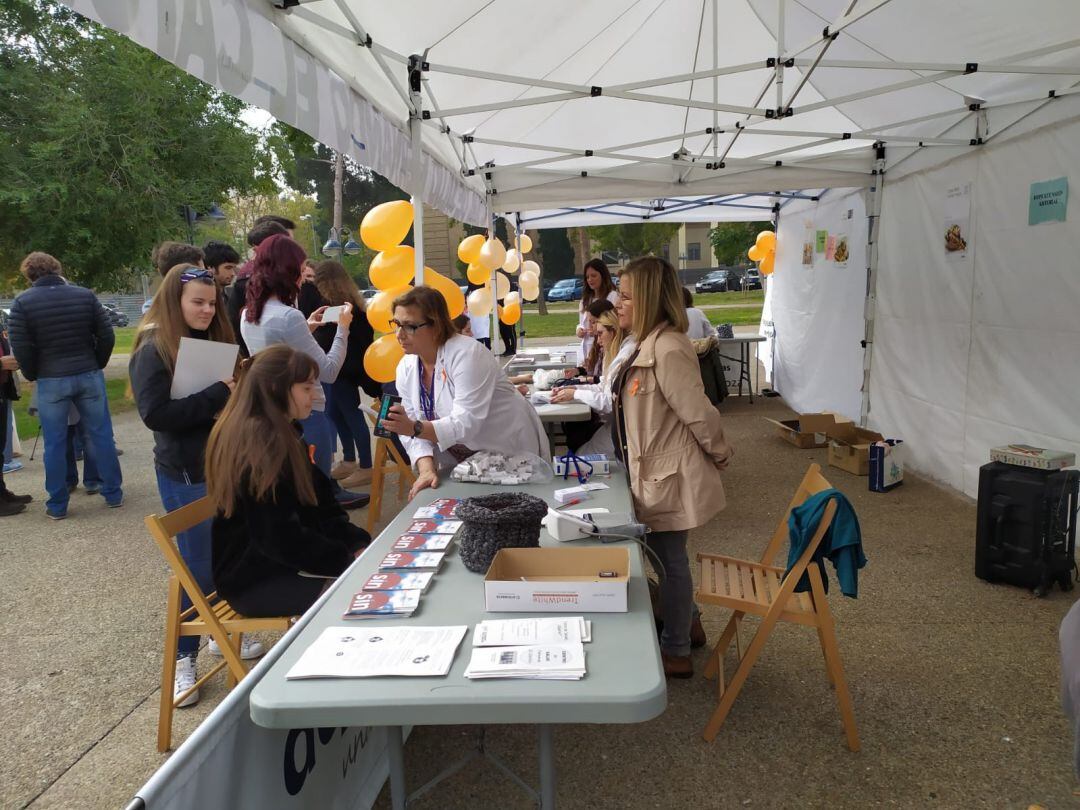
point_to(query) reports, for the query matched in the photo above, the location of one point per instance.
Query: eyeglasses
(196, 273)
(410, 328)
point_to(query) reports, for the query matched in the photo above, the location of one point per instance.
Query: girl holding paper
(188, 304)
(279, 533)
(455, 400)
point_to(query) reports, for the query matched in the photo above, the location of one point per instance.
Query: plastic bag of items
(487, 467)
(545, 378)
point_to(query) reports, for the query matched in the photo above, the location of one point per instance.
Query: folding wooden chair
(205, 616)
(761, 589)
(387, 459)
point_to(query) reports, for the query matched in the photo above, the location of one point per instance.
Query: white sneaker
(249, 648)
(185, 679)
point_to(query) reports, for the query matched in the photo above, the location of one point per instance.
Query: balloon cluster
(391, 272)
(486, 255)
(764, 251)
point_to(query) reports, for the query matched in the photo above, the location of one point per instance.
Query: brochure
(433, 526)
(368, 604)
(394, 581)
(420, 560)
(439, 508)
(547, 630)
(555, 662)
(353, 652)
(422, 542)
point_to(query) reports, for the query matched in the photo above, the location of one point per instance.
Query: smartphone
(384, 411)
(331, 314)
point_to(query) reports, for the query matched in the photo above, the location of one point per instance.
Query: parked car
(752, 280)
(146, 305)
(568, 289)
(719, 281)
(115, 315)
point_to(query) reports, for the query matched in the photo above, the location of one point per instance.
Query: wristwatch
(417, 428)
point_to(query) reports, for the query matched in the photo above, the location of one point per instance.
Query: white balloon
(513, 261)
(526, 243)
(502, 286)
(492, 254)
(530, 293)
(530, 267)
(528, 277)
(511, 299)
(479, 303)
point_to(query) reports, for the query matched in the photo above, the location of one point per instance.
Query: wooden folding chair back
(762, 589)
(387, 460)
(207, 615)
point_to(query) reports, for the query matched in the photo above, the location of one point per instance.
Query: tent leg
(416, 168)
(521, 262)
(873, 221)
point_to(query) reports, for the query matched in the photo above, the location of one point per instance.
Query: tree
(731, 240)
(103, 145)
(556, 253)
(635, 239)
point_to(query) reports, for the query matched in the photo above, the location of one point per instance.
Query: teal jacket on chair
(842, 542)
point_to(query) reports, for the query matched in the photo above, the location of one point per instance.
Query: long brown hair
(607, 286)
(657, 296)
(336, 286)
(610, 321)
(164, 324)
(254, 442)
(595, 357)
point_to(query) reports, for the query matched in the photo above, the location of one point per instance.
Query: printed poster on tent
(808, 246)
(956, 221)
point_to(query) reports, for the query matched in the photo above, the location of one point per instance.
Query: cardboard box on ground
(849, 448)
(810, 430)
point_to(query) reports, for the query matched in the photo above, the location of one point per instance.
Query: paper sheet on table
(547, 630)
(367, 652)
(200, 364)
(551, 662)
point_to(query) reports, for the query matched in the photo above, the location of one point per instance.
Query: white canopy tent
(578, 112)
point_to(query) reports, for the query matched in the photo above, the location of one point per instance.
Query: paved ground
(954, 681)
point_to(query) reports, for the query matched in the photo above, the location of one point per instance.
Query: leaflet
(557, 662)
(438, 508)
(421, 560)
(433, 526)
(394, 581)
(369, 604)
(422, 542)
(546, 630)
(352, 652)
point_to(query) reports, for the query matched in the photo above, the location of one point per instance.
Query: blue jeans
(677, 607)
(55, 398)
(344, 409)
(194, 545)
(77, 442)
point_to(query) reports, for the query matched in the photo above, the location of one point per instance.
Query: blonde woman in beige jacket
(672, 441)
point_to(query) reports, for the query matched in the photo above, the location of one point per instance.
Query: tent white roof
(574, 103)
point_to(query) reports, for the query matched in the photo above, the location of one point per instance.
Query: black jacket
(282, 536)
(59, 330)
(235, 301)
(181, 426)
(9, 388)
(361, 335)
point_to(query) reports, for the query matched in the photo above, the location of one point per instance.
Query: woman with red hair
(270, 318)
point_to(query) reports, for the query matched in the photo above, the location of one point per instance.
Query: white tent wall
(977, 352)
(817, 311)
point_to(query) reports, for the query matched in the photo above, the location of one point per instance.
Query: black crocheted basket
(500, 520)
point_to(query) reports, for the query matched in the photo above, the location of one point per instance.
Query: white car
(146, 305)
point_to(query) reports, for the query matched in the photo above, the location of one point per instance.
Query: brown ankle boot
(697, 634)
(677, 666)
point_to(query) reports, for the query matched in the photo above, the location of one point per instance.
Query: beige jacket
(672, 436)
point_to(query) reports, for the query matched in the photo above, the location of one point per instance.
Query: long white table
(624, 684)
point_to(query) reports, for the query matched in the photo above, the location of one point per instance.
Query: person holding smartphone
(455, 399)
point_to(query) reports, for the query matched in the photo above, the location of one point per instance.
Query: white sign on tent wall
(956, 221)
(808, 245)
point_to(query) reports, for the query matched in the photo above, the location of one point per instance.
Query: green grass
(563, 324)
(125, 337)
(28, 425)
(700, 299)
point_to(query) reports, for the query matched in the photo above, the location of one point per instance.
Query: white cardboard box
(558, 580)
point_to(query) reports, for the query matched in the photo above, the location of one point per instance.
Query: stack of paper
(394, 581)
(548, 648)
(541, 662)
(422, 542)
(412, 561)
(373, 604)
(434, 526)
(441, 508)
(352, 652)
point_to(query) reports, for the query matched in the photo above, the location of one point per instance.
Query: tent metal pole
(416, 168)
(952, 67)
(663, 81)
(873, 223)
(521, 262)
(779, 54)
(512, 104)
(838, 25)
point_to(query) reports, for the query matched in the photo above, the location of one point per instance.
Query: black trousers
(4, 405)
(509, 337)
(287, 595)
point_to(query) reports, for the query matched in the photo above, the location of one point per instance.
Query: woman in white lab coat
(455, 400)
(598, 286)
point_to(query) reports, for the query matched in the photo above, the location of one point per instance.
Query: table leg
(749, 384)
(395, 751)
(547, 767)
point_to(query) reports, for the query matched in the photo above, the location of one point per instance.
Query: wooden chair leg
(746, 662)
(831, 650)
(168, 666)
(715, 665)
(378, 474)
(231, 678)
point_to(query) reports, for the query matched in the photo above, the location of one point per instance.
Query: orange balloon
(384, 226)
(469, 248)
(755, 254)
(510, 315)
(478, 274)
(766, 240)
(766, 265)
(380, 309)
(393, 267)
(382, 357)
(451, 292)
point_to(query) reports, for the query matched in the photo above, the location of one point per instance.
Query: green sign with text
(1048, 201)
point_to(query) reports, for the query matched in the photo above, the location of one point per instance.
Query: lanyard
(427, 395)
